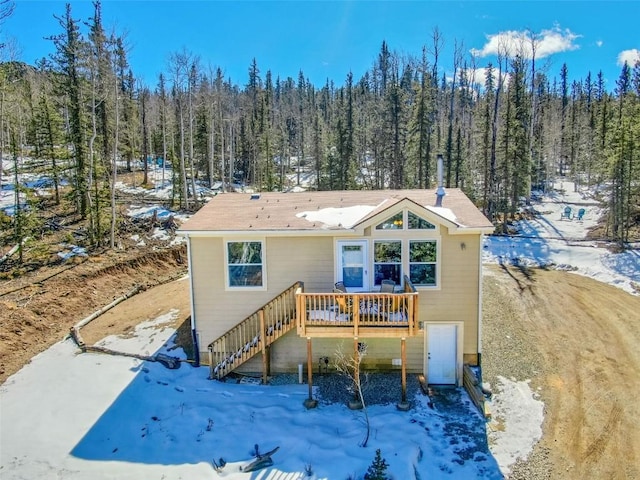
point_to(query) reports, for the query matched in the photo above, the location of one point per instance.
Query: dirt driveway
(578, 341)
(150, 304)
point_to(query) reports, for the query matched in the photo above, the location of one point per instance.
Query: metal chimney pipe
(440, 193)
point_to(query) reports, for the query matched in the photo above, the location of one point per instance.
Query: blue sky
(328, 39)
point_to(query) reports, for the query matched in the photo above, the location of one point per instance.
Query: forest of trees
(77, 113)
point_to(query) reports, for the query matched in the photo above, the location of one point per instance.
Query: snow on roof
(345, 217)
(444, 213)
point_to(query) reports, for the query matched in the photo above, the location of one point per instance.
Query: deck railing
(371, 314)
(255, 333)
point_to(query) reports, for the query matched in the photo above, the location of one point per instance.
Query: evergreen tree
(379, 131)
(68, 58)
(378, 468)
(623, 157)
(517, 154)
(49, 136)
(422, 125)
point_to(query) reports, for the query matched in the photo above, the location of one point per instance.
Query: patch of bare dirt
(579, 339)
(171, 297)
(39, 308)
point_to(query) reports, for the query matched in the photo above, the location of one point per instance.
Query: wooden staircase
(254, 334)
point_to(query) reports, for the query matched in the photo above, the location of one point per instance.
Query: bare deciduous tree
(350, 366)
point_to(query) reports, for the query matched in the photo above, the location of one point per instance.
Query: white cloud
(599, 43)
(478, 76)
(513, 42)
(630, 56)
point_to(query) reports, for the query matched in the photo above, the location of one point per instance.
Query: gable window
(401, 222)
(423, 262)
(418, 223)
(387, 261)
(245, 264)
(392, 223)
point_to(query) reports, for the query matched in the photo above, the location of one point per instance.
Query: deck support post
(356, 363)
(403, 405)
(265, 348)
(267, 365)
(211, 364)
(310, 402)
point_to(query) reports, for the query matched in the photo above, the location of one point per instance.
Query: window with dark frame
(387, 261)
(245, 264)
(423, 262)
(418, 223)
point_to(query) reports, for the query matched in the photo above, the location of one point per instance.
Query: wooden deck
(314, 315)
(349, 315)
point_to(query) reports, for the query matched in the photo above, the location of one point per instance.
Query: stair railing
(254, 334)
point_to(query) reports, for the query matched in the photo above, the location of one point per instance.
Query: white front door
(442, 353)
(352, 265)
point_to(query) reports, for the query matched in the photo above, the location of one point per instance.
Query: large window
(423, 262)
(245, 264)
(387, 261)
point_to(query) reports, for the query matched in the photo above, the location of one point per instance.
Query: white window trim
(368, 260)
(403, 248)
(438, 262)
(231, 288)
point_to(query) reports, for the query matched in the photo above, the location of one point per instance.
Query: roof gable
(435, 215)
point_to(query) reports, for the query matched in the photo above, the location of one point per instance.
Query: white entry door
(442, 353)
(352, 265)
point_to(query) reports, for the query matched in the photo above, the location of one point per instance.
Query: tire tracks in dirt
(585, 337)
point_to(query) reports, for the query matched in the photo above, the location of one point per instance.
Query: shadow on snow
(176, 417)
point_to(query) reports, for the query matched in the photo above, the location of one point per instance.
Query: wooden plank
(470, 383)
(263, 333)
(309, 369)
(423, 384)
(403, 359)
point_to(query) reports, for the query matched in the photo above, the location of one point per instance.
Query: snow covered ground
(548, 240)
(95, 416)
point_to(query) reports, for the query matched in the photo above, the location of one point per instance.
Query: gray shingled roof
(271, 211)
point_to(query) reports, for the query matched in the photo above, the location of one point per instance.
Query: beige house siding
(310, 259)
(457, 297)
(288, 259)
(290, 351)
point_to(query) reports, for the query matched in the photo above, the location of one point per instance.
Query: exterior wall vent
(255, 196)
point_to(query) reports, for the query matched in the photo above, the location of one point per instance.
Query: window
(392, 223)
(245, 264)
(387, 261)
(418, 223)
(423, 262)
(412, 222)
(352, 264)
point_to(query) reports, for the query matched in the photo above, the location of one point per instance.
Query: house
(263, 269)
